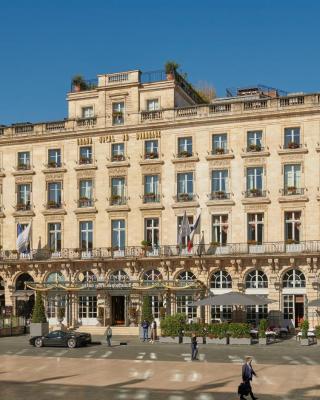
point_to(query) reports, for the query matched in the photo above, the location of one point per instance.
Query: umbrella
(314, 303)
(233, 299)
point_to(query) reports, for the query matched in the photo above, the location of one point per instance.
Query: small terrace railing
(91, 121)
(151, 155)
(85, 160)
(219, 195)
(118, 157)
(255, 193)
(292, 191)
(55, 126)
(151, 115)
(84, 202)
(217, 151)
(291, 101)
(51, 204)
(219, 108)
(181, 197)
(23, 207)
(151, 198)
(255, 105)
(118, 200)
(24, 166)
(252, 148)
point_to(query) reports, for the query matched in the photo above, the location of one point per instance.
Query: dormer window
(87, 112)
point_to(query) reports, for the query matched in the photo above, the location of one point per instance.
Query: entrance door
(293, 309)
(118, 310)
(88, 310)
(298, 309)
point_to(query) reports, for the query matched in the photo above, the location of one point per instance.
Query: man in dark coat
(247, 374)
(145, 328)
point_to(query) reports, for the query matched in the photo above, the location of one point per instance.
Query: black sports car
(60, 338)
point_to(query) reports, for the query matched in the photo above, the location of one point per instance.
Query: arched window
(119, 276)
(293, 279)
(256, 280)
(186, 276)
(152, 275)
(221, 280)
(55, 277)
(20, 282)
(87, 277)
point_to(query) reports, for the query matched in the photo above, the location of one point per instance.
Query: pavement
(145, 371)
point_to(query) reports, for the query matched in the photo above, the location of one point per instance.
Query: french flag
(195, 229)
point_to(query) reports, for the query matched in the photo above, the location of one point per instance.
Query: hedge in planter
(263, 324)
(39, 325)
(172, 326)
(197, 328)
(217, 333)
(239, 333)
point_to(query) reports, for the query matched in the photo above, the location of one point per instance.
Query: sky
(225, 43)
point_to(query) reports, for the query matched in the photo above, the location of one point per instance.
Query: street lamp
(277, 286)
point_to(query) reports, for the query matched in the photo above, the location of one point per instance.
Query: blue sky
(228, 44)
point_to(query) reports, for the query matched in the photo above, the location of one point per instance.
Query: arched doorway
(24, 296)
(293, 296)
(87, 299)
(118, 281)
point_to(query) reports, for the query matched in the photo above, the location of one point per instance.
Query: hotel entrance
(118, 310)
(293, 309)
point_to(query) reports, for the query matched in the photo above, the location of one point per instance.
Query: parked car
(69, 339)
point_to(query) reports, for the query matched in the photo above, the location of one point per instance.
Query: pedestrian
(108, 334)
(145, 327)
(247, 374)
(153, 331)
(194, 347)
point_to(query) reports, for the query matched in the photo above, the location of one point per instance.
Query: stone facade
(135, 153)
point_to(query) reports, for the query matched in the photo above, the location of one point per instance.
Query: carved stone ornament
(151, 169)
(188, 166)
(260, 207)
(24, 178)
(219, 163)
(86, 174)
(255, 160)
(118, 171)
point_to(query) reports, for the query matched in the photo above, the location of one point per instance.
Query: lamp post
(277, 286)
(315, 286)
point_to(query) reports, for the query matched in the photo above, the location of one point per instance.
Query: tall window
(151, 148)
(117, 150)
(254, 140)
(222, 313)
(85, 155)
(184, 306)
(85, 193)
(118, 233)
(220, 229)
(152, 231)
(87, 306)
(117, 191)
(292, 138)
(87, 112)
(54, 236)
(220, 181)
(153, 105)
(24, 196)
(54, 194)
(185, 186)
(294, 279)
(118, 113)
(24, 160)
(151, 276)
(54, 158)
(292, 178)
(256, 280)
(185, 147)
(86, 235)
(254, 179)
(221, 280)
(255, 228)
(219, 143)
(151, 188)
(292, 226)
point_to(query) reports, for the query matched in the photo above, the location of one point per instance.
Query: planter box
(308, 342)
(170, 339)
(217, 340)
(40, 329)
(187, 339)
(263, 341)
(239, 340)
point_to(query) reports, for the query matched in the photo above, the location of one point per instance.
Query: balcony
(118, 157)
(255, 193)
(291, 101)
(117, 200)
(151, 198)
(292, 191)
(86, 122)
(55, 126)
(292, 145)
(83, 85)
(152, 155)
(53, 205)
(23, 128)
(184, 156)
(185, 197)
(53, 165)
(253, 148)
(151, 115)
(220, 195)
(219, 108)
(26, 166)
(255, 105)
(219, 153)
(84, 202)
(23, 207)
(85, 160)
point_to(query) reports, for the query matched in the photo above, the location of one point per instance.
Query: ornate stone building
(106, 190)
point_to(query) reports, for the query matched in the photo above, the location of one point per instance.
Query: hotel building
(105, 191)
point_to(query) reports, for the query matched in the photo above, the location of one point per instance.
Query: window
(55, 277)
(24, 160)
(184, 306)
(185, 147)
(85, 193)
(85, 155)
(151, 189)
(219, 144)
(255, 228)
(87, 277)
(23, 197)
(186, 276)
(118, 233)
(118, 113)
(86, 235)
(54, 236)
(292, 179)
(288, 306)
(219, 182)
(118, 191)
(221, 280)
(119, 276)
(294, 279)
(87, 306)
(117, 151)
(20, 229)
(87, 112)
(292, 226)
(256, 280)
(185, 186)
(256, 313)
(184, 239)
(220, 229)
(223, 313)
(54, 195)
(291, 138)
(254, 140)
(152, 231)
(254, 179)
(151, 276)
(54, 158)
(153, 105)
(151, 148)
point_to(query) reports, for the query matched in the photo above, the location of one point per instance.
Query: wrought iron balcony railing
(23, 207)
(292, 145)
(118, 200)
(181, 197)
(85, 160)
(23, 166)
(220, 195)
(217, 151)
(255, 193)
(254, 148)
(84, 202)
(54, 164)
(151, 155)
(118, 157)
(53, 205)
(151, 198)
(292, 191)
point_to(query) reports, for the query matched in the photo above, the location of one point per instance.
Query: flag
(23, 238)
(195, 229)
(201, 246)
(184, 229)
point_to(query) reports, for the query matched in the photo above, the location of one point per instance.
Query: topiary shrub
(304, 328)
(173, 325)
(318, 331)
(263, 324)
(239, 330)
(146, 312)
(38, 312)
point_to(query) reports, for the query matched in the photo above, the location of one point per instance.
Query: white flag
(23, 238)
(184, 228)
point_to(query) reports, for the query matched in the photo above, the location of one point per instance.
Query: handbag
(243, 389)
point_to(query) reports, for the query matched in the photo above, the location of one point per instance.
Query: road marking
(91, 353)
(205, 396)
(41, 368)
(236, 359)
(140, 356)
(202, 357)
(153, 356)
(309, 361)
(61, 353)
(186, 356)
(267, 380)
(21, 351)
(194, 376)
(107, 354)
(290, 360)
(176, 376)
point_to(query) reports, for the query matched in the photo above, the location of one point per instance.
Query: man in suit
(247, 374)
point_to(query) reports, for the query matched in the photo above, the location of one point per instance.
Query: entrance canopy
(233, 299)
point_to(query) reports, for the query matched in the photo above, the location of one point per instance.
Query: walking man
(145, 327)
(108, 335)
(194, 347)
(247, 374)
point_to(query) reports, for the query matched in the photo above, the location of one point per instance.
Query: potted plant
(52, 164)
(252, 242)
(184, 153)
(172, 327)
(293, 145)
(183, 196)
(254, 147)
(220, 194)
(171, 69)
(304, 333)
(115, 199)
(118, 157)
(291, 189)
(239, 333)
(217, 333)
(219, 150)
(152, 155)
(263, 324)
(53, 204)
(78, 83)
(255, 192)
(39, 325)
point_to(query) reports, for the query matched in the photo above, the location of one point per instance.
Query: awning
(233, 299)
